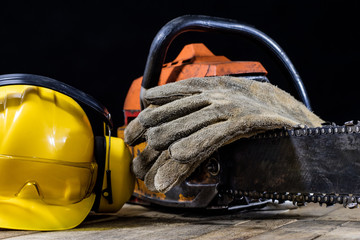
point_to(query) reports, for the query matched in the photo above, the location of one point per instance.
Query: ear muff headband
(40, 81)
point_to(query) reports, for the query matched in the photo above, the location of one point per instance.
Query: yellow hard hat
(56, 163)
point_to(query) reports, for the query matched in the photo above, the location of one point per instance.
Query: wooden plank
(348, 230)
(245, 229)
(301, 229)
(344, 214)
(137, 222)
(5, 233)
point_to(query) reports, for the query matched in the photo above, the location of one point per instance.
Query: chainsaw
(302, 164)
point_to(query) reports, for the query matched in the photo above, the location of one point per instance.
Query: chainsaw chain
(347, 200)
(302, 130)
(300, 199)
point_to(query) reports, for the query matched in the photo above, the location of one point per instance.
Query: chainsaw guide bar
(302, 165)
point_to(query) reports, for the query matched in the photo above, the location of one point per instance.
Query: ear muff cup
(122, 179)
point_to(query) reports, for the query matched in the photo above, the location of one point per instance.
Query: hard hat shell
(50, 132)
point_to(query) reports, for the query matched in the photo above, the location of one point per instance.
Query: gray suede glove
(189, 120)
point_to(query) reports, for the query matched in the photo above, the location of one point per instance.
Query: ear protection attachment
(118, 181)
(114, 181)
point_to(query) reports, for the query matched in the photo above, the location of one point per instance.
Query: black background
(101, 46)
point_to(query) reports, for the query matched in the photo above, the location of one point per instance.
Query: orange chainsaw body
(195, 60)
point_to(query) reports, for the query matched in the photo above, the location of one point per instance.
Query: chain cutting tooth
(345, 201)
(289, 197)
(300, 198)
(281, 198)
(352, 205)
(277, 196)
(349, 123)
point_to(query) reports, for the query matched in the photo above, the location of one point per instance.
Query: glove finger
(166, 173)
(173, 110)
(161, 137)
(134, 133)
(172, 91)
(143, 162)
(200, 144)
(187, 104)
(150, 175)
(206, 141)
(173, 173)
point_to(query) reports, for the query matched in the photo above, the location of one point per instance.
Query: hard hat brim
(34, 214)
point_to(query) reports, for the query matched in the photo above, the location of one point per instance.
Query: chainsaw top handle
(199, 23)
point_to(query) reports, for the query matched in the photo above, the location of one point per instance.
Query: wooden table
(137, 222)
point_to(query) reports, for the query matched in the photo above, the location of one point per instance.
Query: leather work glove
(187, 121)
